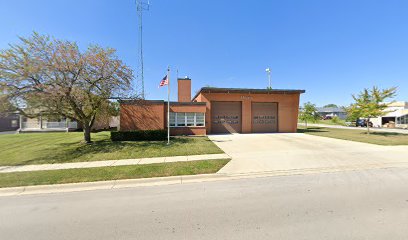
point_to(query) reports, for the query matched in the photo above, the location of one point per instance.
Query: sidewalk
(186, 179)
(110, 163)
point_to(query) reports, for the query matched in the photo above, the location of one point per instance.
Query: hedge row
(140, 135)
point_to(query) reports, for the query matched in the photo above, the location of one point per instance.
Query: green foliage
(43, 75)
(331, 105)
(114, 108)
(370, 103)
(5, 104)
(308, 113)
(336, 120)
(140, 135)
(352, 116)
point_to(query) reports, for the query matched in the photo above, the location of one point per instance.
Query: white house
(44, 124)
(397, 116)
(332, 112)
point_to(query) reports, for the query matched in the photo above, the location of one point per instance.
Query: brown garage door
(264, 117)
(226, 117)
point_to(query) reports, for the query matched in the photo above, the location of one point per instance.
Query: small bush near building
(140, 135)
(336, 120)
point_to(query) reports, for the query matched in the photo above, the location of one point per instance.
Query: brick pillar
(184, 89)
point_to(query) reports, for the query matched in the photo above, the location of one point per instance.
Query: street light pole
(268, 70)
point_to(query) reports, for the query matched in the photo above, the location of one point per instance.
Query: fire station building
(215, 111)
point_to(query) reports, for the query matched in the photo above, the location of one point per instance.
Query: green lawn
(379, 138)
(327, 122)
(110, 173)
(330, 122)
(40, 148)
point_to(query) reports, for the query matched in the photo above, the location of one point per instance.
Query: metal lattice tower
(141, 6)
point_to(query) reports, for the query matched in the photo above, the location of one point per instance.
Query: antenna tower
(141, 6)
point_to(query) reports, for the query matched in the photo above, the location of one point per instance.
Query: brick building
(215, 110)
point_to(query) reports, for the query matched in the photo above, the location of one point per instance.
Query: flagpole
(168, 105)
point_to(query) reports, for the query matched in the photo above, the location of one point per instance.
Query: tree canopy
(308, 113)
(370, 103)
(41, 74)
(331, 105)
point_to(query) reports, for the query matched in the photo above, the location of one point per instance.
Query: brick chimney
(184, 89)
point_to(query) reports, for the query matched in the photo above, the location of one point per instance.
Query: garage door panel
(264, 117)
(226, 117)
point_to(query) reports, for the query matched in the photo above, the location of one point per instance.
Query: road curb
(186, 179)
(111, 163)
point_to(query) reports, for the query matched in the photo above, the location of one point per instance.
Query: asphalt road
(371, 204)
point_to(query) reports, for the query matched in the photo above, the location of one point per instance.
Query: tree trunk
(306, 123)
(368, 126)
(87, 133)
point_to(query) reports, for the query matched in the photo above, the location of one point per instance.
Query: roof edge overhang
(140, 102)
(248, 91)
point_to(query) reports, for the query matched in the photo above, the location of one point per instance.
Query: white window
(181, 119)
(190, 119)
(172, 119)
(402, 120)
(14, 123)
(200, 119)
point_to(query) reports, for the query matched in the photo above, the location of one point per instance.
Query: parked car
(363, 123)
(327, 118)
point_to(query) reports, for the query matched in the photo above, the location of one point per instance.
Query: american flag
(164, 81)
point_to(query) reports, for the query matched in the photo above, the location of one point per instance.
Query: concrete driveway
(298, 152)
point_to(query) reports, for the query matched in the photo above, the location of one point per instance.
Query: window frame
(195, 119)
(402, 119)
(175, 119)
(176, 124)
(14, 123)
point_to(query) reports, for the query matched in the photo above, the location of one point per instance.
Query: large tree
(41, 74)
(5, 104)
(308, 113)
(370, 103)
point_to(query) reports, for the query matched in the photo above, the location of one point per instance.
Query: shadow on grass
(311, 130)
(384, 134)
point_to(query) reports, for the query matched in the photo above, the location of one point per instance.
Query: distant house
(332, 112)
(17, 122)
(396, 116)
(47, 124)
(9, 122)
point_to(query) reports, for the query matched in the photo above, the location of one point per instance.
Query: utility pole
(268, 71)
(141, 5)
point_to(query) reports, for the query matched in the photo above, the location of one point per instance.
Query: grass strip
(110, 173)
(378, 138)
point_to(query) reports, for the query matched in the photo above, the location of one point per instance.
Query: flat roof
(134, 101)
(248, 91)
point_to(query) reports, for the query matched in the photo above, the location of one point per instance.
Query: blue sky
(329, 48)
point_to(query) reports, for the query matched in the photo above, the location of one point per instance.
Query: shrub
(335, 120)
(139, 135)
